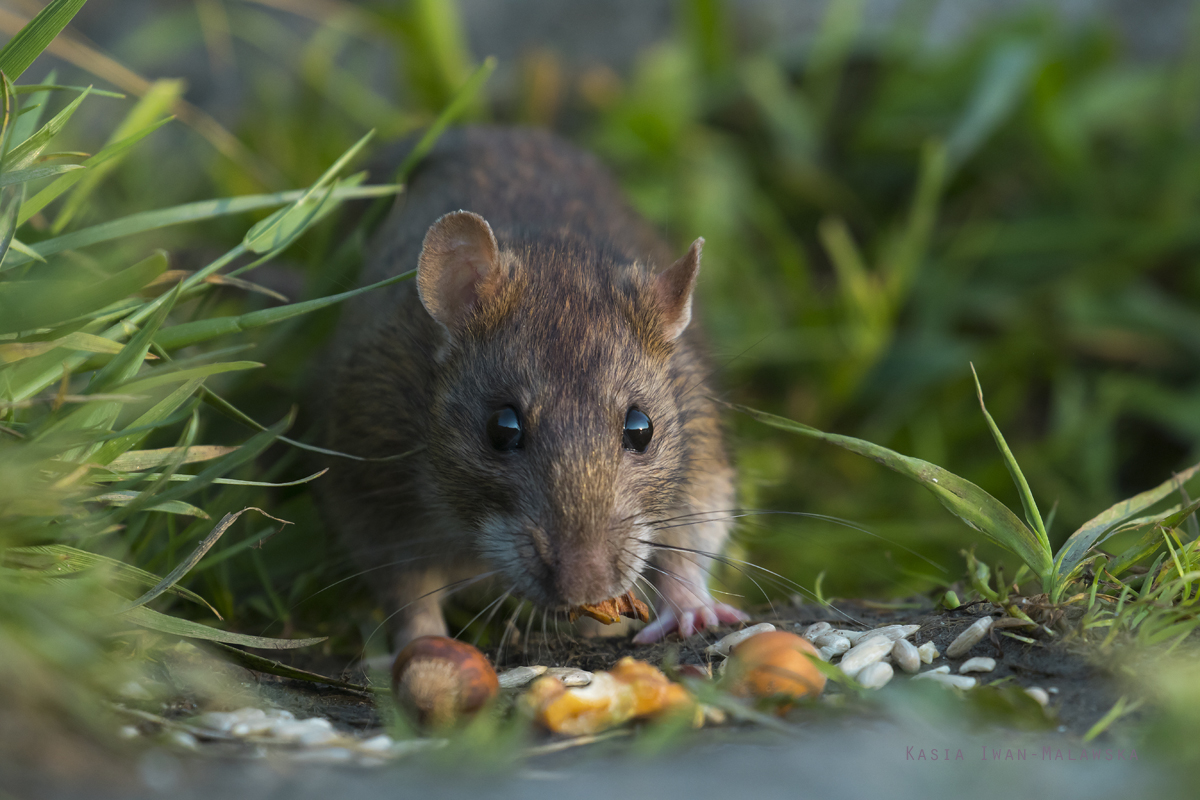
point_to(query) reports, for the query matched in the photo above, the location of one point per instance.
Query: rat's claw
(688, 621)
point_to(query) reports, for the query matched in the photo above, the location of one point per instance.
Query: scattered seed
(970, 637)
(825, 653)
(378, 744)
(132, 690)
(835, 643)
(1052, 689)
(957, 681)
(570, 676)
(816, 629)
(875, 676)
(929, 673)
(866, 652)
(977, 664)
(182, 739)
(928, 653)
(1039, 694)
(906, 656)
(129, 732)
(894, 632)
(517, 677)
(325, 755)
(723, 645)
(853, 636)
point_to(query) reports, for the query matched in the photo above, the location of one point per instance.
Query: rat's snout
(585, 574)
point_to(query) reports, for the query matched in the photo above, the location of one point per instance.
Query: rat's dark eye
(504, 429)
(638, 431)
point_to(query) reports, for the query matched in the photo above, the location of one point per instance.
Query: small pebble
(928, 653)
(570, 676)
(816, 629)
(977, 664)
(1038, 694)
(834, 643)
(726, 643)
(970, 637)
(868, 651)
(875, 676)
(906, 656)
(517, 677)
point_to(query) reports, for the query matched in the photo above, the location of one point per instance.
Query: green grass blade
(123, 499)
(112, 449)
(1032, 515)
(189, 333)
(1081, 541)
(109, 153)
(150, 459)
(169, 374)
(23, 175)
(10, 206)
(26, 153)
(461, 102)
(186, 565)
(189, 212)
(965, 500)
(69, 560)
(156, 103)
(31, 115)
(1006, 76)
(152, 620)
(30, 305)
(31, 40)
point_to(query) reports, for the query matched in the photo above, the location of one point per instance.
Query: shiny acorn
(441, 680)
(773, 665)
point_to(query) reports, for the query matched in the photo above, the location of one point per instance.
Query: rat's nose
(585, 574)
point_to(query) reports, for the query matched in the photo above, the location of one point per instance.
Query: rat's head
(557, 432)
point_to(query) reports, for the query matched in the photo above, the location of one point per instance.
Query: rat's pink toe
(688, 621)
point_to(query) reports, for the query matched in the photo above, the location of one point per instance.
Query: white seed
(928, 653)
(866, 652)
(977, 664)
(853, 636)
(834, 643)
(944, 669)
(1039, 694)
(894, 632)
(129, 732)
(816, 629)
(905, 654)
(517, 677)
(970, 637)
(957, 681)
(183, 739)
(1052, 689)
(875, 676)
(824, 652)
(726, 643)
(570, 676)
(312, 731)
(378, 744)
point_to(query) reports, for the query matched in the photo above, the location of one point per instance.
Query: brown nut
(441, 680)
(773, 665)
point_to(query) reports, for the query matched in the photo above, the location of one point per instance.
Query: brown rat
(543, 369)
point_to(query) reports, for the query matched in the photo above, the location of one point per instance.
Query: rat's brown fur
(575, 323)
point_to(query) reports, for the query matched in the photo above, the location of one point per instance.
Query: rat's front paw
(688, 621)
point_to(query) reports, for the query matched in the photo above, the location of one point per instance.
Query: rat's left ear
(673, 287)
(459, 268)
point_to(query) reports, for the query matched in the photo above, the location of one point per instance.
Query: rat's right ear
(459, 267)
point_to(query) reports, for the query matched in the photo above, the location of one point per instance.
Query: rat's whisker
(449, 588)
(494, 606)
